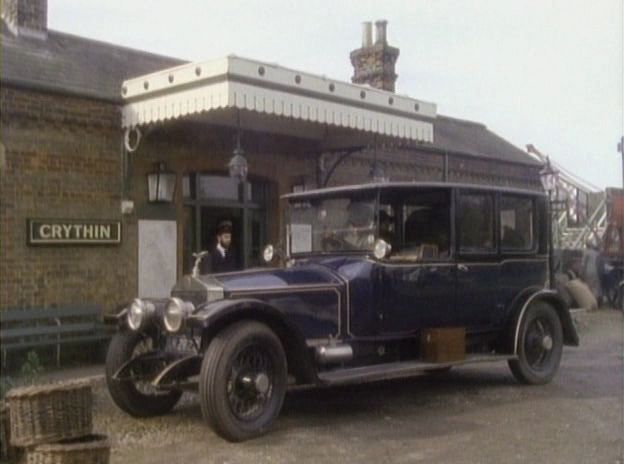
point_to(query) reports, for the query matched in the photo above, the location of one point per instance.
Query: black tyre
(540, 345)
(243, 381)
(135, 396)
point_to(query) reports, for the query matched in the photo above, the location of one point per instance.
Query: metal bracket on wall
(131, 143)
(323, 169)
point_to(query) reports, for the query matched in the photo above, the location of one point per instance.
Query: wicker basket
(49, 413)
(92, 449)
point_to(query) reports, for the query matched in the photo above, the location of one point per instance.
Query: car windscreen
(332, 224)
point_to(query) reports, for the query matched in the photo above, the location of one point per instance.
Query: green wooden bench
(32, 328)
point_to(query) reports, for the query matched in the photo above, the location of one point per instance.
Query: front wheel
(540, 345)
(243, 381)
(135, 394)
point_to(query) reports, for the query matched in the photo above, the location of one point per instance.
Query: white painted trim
(235, 82)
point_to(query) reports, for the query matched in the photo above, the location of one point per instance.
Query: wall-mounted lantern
(548, 177)
(161, 184)
(377, 173)
(238, 163)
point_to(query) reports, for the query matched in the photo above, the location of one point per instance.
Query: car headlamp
(138, 312)
(268, 253)
(381, 249)
(175, 313)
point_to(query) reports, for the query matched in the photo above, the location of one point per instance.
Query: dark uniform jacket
(224, 264)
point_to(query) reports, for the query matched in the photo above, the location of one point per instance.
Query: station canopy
(270, 98)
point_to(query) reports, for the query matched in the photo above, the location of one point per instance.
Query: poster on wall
(157, 258)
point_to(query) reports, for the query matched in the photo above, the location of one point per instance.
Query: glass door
(210, 199)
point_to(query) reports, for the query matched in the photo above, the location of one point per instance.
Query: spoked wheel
(540, 345)
(134, 393)
(243, 381)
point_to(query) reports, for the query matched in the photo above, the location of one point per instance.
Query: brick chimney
(373, 64)
(26, 17)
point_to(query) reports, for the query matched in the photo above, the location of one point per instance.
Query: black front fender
(213, 317)
(210, 314)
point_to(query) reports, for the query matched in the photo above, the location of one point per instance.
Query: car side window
(517, 223)
(475, 222)
(424, 224)
(387, 223)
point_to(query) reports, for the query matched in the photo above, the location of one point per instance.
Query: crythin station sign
(73, 232)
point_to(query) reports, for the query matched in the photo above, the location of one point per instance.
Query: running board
(399, 369)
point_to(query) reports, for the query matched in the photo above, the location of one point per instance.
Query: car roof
(389, 186)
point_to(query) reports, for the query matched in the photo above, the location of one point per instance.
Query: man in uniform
(223, 256)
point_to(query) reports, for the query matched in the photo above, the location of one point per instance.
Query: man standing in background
(223, 256)
(590, 271)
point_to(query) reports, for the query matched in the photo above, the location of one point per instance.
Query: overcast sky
(534, 71)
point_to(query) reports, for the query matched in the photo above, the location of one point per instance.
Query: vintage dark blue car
(380, 281)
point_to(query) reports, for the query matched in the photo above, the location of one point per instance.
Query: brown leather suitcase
(442, 345)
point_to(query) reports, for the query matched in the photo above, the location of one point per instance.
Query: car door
(418, 279)
(477, 259)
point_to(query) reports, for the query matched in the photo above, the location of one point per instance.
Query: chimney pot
(26, 17)
(380, 34)
(367, 34)
(375, 64)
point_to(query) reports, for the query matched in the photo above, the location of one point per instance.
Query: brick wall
(62, 160)
(414, 165)
(375, 66)
(186, 148)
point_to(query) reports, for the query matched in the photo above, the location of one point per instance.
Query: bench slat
(15, 315)
(51, 342)
(6, 334)
(39, 327)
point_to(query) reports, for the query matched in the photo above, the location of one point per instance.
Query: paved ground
(470, 415)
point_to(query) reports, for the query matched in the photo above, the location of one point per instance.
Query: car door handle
(462, 267)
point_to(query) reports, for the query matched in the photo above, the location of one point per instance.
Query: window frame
(399, 205)
(535, 226)
(472, 252)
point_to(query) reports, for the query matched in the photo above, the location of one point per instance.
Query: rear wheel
(134, 393)
(540, 345)
(243, 381)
